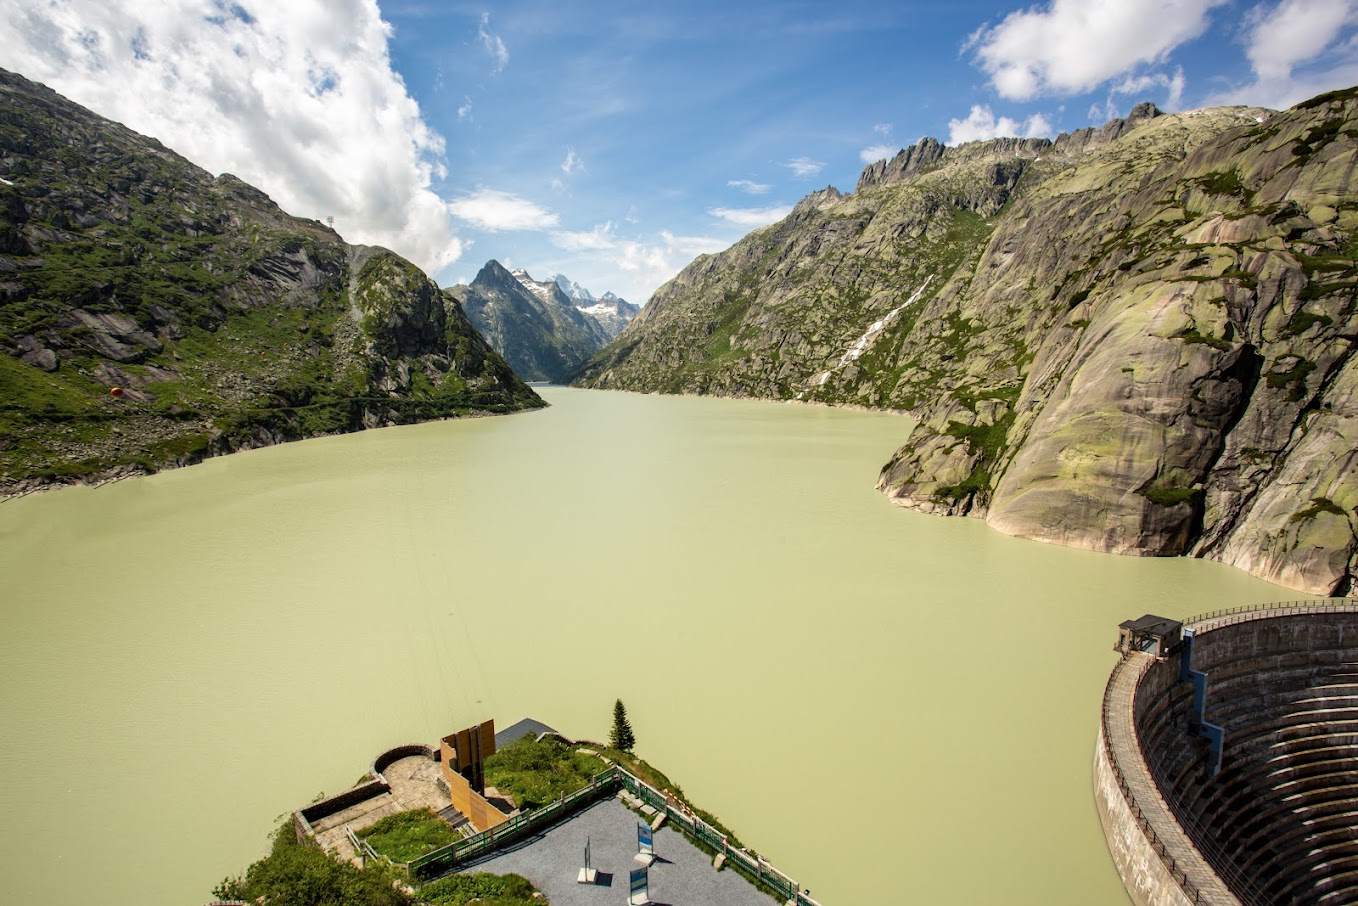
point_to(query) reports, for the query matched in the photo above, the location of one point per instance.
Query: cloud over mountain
(298, 98)
(1073, 46)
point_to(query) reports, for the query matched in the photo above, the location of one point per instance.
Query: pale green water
(892, 707)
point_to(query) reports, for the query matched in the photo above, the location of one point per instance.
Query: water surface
(890, 706)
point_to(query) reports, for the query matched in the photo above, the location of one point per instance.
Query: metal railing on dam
(1138, 809)
(1231, 615)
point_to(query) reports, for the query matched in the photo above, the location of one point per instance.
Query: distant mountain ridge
(152, 314)
(533, 324)
(612, 311)
(1136, 338)
(545, 329)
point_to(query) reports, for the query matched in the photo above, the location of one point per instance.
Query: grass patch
(405, 836)
(1293, 379)
(483, 888)
(1192, 335)
(1224, 182)
(1303, 320)
(1164, 495)
(535, 773)
(986, 441)
(1318, 505)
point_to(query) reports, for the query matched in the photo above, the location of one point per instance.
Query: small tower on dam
(1150, 634)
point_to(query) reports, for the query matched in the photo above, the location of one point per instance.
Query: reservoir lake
(889, 706)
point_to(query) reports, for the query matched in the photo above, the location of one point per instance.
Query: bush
(298, 875)
(405, 836)
(489, 890)
(536, 773)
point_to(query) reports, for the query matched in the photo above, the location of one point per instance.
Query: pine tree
(621, 736)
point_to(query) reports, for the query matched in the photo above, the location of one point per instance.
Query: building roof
(525, 727)
(1152, 624)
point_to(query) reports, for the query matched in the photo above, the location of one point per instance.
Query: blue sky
(613, 142)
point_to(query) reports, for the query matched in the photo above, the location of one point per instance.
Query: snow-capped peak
(574, 291)
(541, 289)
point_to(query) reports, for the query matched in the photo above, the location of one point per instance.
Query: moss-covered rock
(222, 321)
(1161, 312)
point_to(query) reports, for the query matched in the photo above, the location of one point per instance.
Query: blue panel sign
(639, 879)
(644, 839)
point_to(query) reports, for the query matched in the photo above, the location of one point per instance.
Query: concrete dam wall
(1277, 822)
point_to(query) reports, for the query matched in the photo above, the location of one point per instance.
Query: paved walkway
(683, 876)
(1125, 748)
(414, 784)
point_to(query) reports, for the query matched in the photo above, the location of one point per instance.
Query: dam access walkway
(414, 783)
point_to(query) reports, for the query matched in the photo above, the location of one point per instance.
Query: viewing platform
(546, 844)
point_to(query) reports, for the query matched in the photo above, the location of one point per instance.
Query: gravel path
(683, 875)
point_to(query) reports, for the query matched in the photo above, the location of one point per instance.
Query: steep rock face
(1190, 385)
(781, 311)
(532, 324)
(1141, 343)
(223, 322)
(612, 312)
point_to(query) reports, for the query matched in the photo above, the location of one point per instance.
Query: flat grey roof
(523, 728)
(1150, 623)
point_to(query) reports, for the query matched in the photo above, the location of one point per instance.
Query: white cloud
(493, 44)
(749, 187)
(882, 129)
(601, 237)
(1297, 49)
(1072, 46)
(804, 166)
(1293, 32)
(1038, 126)
(1142, 84)
(752, 217)
(465, 110)
(874, 153)
(981, 125)
(493, 210)
(572, 162)
(645, 263)
(298, 98)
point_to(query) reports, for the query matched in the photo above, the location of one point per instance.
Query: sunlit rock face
(1134, 339)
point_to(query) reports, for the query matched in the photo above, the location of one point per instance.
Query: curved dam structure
(1226, 770)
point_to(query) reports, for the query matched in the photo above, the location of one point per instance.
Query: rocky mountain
(579, 296)
(1135, 339)
(532, 324)
(152, 314)
(612, 312)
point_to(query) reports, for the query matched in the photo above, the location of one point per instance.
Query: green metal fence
(752, 865)
(459, 851)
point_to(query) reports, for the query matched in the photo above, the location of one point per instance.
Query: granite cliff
(152, 314)
(1135, 339)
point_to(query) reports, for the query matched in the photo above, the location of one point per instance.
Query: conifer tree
(621, 736)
